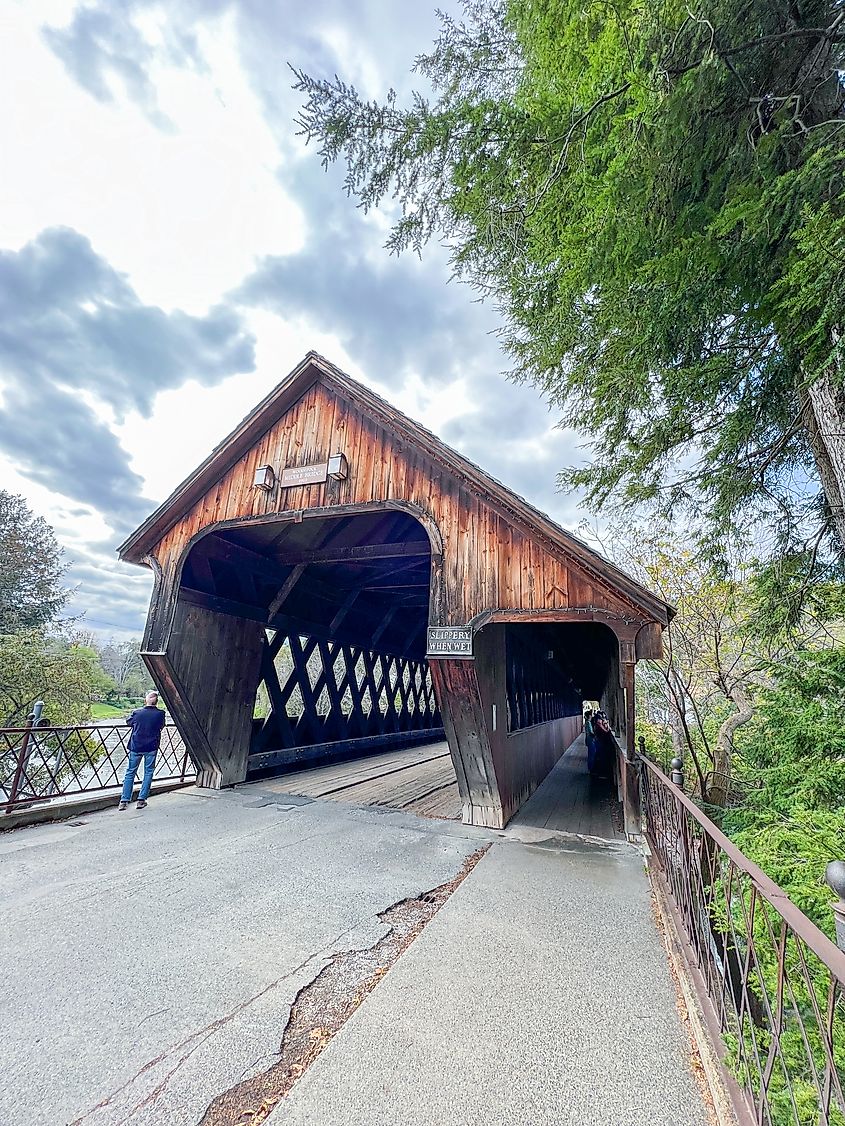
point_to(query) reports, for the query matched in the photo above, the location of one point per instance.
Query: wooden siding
(208, 679)
(489, 561)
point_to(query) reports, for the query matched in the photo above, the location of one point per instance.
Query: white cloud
(183, 213)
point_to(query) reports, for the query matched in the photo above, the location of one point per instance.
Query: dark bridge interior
(553, 667)
(345, 602)
(362, 579)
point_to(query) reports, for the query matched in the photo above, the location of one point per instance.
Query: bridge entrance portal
(333, 579)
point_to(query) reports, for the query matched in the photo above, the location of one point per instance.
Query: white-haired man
(146, 724)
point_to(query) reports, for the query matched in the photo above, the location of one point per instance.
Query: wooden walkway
(422, 780)
(572, 801)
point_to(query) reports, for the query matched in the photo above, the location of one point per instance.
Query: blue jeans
(135, 757)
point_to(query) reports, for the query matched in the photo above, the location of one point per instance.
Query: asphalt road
(152, 958)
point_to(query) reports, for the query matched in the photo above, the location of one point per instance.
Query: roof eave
(249, 430)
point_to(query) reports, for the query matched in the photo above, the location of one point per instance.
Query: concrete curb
(61, 811)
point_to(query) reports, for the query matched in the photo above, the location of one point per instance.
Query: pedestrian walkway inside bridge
(161, 956)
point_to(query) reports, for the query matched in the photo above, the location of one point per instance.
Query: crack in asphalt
(198, 1038)
(323, 1005)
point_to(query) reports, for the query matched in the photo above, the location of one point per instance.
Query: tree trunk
(825, 421)
(676, 722)
(723, 752)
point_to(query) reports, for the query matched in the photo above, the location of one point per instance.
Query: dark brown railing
(773, 983)
(44, 764)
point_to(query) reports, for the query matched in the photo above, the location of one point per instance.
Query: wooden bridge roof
(315, 368)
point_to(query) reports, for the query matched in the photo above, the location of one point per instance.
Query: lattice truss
(324, 692)
(538, 689)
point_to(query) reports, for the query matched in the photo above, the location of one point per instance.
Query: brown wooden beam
(415, 638)
(286, 622)
(357, 554)
(385, 622)
(273, 759)
(244, 558)
(382, 587)
(344, 610)
(286, 588)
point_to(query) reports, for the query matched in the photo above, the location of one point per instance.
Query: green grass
(107, 711)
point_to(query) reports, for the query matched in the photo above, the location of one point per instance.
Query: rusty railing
(771, 983)
(45, 764)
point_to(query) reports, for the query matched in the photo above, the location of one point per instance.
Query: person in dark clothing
(604, 747)
(146, 724)
(589, 737)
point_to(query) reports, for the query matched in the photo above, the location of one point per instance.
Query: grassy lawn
(107, 711)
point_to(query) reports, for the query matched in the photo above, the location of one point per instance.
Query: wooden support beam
(270, 759)
(335, 721)
(309, 721)
(387, 587)
(202, 571)
(351, 654)
(278, 718)
(415, 637)
(385, 622)
(243, 558)
(178, 701)
(357, 554)
(285, 622)
(465, 722)
(210, 685)
(286, 588)
(344, 610)
(394, 569)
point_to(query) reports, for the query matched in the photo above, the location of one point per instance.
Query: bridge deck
(419, 779)
(422, 780)
(572, 801)
(161, 952)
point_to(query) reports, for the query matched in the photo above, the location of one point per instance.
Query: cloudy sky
(169, 250)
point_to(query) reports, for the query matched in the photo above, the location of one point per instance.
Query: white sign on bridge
(450, 641)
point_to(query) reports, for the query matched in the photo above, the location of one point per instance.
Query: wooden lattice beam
(370, 695)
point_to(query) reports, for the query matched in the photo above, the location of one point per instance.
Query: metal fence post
(23, 754)
(835, 876)
(677, 773)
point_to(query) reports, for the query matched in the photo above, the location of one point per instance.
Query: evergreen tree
(652, 194)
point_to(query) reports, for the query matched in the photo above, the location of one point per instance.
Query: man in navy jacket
(146, 724)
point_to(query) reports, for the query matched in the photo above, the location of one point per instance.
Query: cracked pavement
(152, 957)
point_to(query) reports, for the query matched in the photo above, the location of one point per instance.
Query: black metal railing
(773, 983)
(44, 764)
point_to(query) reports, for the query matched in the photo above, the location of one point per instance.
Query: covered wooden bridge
(334, 579)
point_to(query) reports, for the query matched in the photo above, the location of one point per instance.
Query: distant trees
(36, 664)
(702, 690)
(121, 662)
(41, 656)
(753, 704)
(31, 568)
